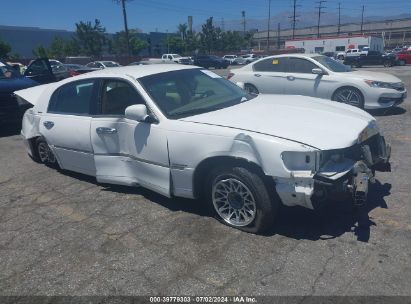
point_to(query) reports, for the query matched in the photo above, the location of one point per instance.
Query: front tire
(241, 199)
(251, 89)
(349, 95)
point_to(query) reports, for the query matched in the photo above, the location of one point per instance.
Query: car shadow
(330, 221)
(388, 112)
(333, 219)
(10, 130)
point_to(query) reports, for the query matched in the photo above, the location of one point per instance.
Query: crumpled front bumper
(351, 174)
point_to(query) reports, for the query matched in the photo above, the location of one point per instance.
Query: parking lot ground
(63, 234)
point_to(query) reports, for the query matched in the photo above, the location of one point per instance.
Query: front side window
(73, 98)
(194, 91)
(300, 65)
(270, 65)
(117, 95)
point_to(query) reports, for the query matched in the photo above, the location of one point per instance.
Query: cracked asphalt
(63, 234)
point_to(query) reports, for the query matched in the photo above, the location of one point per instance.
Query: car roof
(297, 55)
(136, 71)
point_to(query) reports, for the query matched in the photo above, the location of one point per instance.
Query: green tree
(40, 52)
(5, 49)
(208, 35)
(176, 44)
(58, 48)
(90, 38)
(182, 30)
(118, 44)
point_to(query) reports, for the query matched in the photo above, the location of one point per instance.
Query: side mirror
(240, 84)
(317, 71)
(137, 112)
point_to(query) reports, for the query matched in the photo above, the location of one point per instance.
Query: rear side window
(300, 65)
(270, 65)
(74, 98)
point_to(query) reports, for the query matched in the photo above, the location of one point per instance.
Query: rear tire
(44, 154)
(241, 199)
(401, 62)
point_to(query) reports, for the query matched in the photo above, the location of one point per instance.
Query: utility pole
(123, 4)
(362, 17)
(243, 21)
(278, 35)
(268, 25)
(294, 16)
(339, 18)
(222, 24)
(320, 7)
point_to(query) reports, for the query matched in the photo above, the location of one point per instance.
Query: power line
(320, 7)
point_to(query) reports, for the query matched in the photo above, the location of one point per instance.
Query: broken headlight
(300, 160)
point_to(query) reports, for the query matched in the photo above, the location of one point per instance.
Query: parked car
(77, 69)
(352, 52)
(102, 64)
(176, 58)
(208, 61)
(245, 59)
(230, 58)
(184, 131)
(320, 76)
(372, 58)
(404, 57)
(59, 70)
(11, 80)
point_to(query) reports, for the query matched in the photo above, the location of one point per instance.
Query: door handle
(257, 75)
(48, 124)
(103, 130)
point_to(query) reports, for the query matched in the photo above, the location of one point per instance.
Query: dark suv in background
(208, 61)
(372, 58)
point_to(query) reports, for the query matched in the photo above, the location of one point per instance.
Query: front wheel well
(204, 168)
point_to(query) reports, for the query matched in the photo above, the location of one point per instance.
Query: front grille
(357, 151)
(399, 86)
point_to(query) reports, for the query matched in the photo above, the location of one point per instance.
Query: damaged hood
(319, 123)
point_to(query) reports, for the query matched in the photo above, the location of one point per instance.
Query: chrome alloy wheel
(349, 96)
(45, 154)
(234, 202)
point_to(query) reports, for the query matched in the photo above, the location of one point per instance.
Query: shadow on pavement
(332, 220)
(388, 112)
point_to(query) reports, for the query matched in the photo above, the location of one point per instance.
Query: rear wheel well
(204, 168)
(32, 143)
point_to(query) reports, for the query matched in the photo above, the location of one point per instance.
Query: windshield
(110, 64)
(176, 56)
(193, 91)
(332, 64)
(7, 72)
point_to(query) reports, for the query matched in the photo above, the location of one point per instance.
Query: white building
(336, 44)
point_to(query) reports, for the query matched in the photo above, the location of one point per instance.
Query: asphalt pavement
(61, 233)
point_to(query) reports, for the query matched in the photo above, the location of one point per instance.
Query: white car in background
(183, 131)
(102, 64)
(320, 76)
(230, 58)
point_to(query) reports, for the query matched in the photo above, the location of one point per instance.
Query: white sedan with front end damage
(323, 77)
(186, 132)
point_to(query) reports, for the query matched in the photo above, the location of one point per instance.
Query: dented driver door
(128, 152)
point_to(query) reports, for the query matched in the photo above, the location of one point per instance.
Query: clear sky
(163, 15)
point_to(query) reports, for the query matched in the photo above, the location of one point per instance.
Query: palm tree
(123, 4)
(182, 29)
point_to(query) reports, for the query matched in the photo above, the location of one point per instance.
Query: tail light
(230, 75)
(73, 73)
